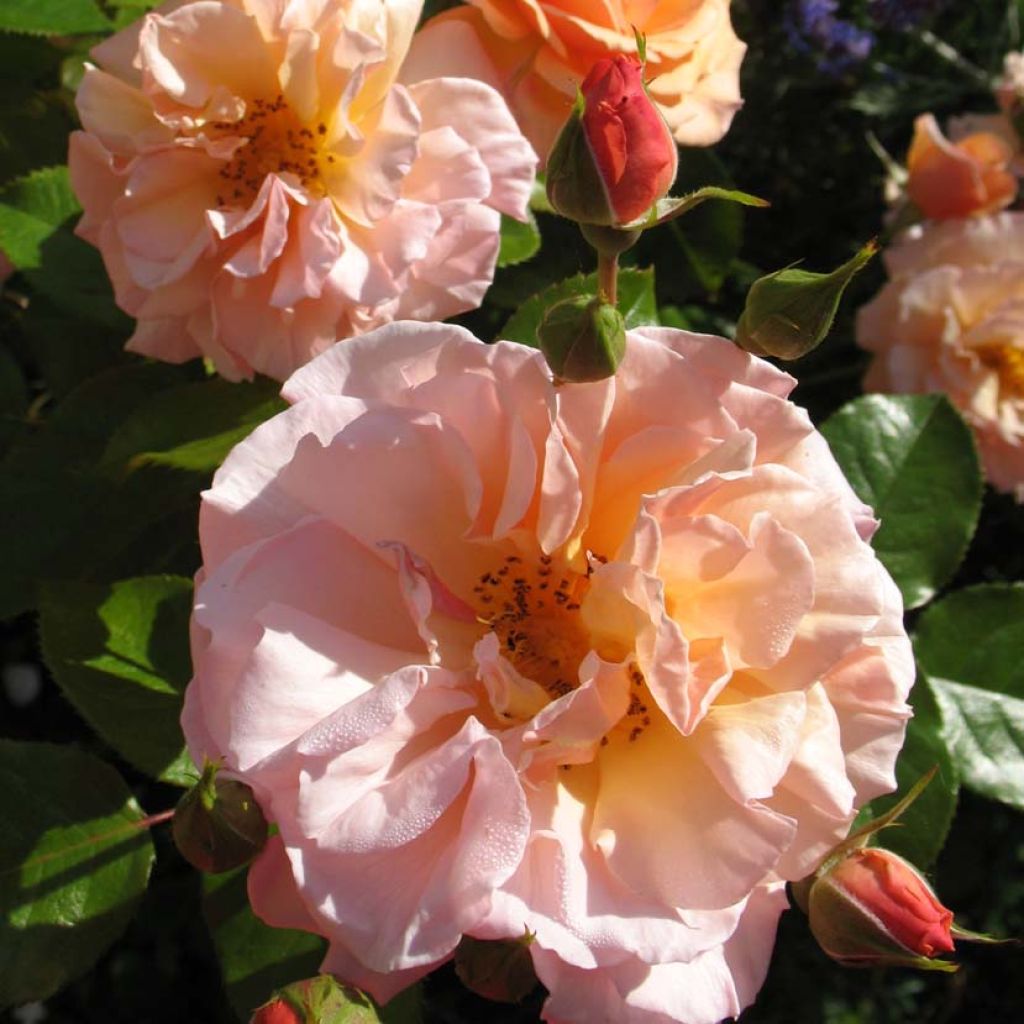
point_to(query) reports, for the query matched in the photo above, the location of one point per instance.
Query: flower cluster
(260, 185)
(609, 663)
(951, 319)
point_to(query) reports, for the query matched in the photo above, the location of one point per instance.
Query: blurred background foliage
(813, 100)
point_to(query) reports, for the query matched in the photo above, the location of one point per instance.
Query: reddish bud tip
(615, 157)
(873, 908)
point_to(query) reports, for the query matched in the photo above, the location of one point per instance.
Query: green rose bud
(790, 312)
(501, 970)
(583, 339)
(217, 824)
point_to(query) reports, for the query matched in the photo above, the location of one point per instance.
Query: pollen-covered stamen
(534, 610)
(278, 143)
(1008, 362)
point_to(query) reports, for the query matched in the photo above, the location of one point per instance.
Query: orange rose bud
(873, 908)
(615, 157)
(957, 179)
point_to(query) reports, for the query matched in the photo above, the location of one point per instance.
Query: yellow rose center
(1008, 363)
(535, 612)
(278, 142)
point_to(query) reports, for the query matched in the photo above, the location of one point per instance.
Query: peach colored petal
(710, 850)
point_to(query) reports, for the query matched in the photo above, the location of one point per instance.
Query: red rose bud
(583, 339)
(278, 1011)
(217, 824)
(501, 970)
(873, 908)
(615, 157)
(319, 1000)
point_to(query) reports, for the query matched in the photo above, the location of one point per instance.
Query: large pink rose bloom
(260, 186)
(609, 662)
(951, 319)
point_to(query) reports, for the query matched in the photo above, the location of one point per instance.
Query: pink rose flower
(259, 185)
(609, 662)
(536, 52)
(951, 319)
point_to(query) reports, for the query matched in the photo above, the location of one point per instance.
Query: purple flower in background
(813, 28)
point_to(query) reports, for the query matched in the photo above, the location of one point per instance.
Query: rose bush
(259, 185)
(610, 662)
(951, 319)
(536, 52)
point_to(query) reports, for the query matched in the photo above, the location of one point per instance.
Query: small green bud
(583, 339)
(217, 824)
(790, 312)
(501, 970)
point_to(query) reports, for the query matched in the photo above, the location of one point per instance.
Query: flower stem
(155, 819)
(608, 277)
(953, 56)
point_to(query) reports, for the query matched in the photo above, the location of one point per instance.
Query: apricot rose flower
(951, 319)
(606, 661)
(536, 52)
(259, 185)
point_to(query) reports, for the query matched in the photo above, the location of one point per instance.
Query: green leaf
(64, 520)
(665, 210)
(520, 240)
(636, 303)
(120, 654)
(31, 210)
(193, 426)
(51, 17)
(73, 864)
(709, 238)
(255, 959)
(912, 458)
(923, 827)
(971, 645)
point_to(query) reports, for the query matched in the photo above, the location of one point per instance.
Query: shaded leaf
(73, 865)
(520, 240)
(912, 459)
(193, 426)
(636, 303)
(31, 210)
(120, 654)
(923, 827)
(971, 645)
(255, 959)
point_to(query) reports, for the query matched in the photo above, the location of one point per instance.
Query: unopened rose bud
(873, 908)
(790, 312)
(615, 157)
(319, 1000)
(217, 824)
(501, 970)
(583, 339)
